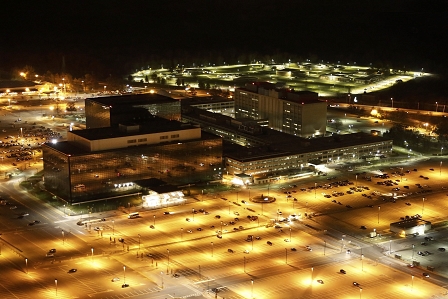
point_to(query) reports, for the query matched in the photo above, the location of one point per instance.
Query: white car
(115, 279)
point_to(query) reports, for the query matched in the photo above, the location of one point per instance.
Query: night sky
(119, 36)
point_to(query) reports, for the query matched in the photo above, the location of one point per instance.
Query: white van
(133, 215)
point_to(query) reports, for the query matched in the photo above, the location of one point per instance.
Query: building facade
(105, 162)
(110, 111)
(297, 113)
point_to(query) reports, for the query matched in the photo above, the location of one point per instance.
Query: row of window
(139, 140)
(166, 136)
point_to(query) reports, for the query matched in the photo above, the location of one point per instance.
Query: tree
(163, 81)
(442, 130)
(201, 84)
(178, 82)
(146, 78)
(154, 77)
(207, 85)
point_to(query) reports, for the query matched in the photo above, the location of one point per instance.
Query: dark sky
(116, 36)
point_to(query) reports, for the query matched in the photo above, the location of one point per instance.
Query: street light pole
(379, 208)
(212, 249)
(63, 239)
(193, 213)
(92, 254)
(26, 265)
(440, 167)
(139, 241)
(423, 206)
(413, 246)
(168, 265)
(56, 284)
(113, 227)
(362, 262)
(252, 289)
(286, 256)
(154, 222)
(244, 264)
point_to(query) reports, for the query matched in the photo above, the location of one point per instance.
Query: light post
(360, 293)
(139, 241)
(168, 265)
(356, 181)
(124, 274)
(221, 227)
(105, 88)
(286, 255)
(193, 213)
(113, 227)
(212, 248)
(56, 284)
(362, 262)
(252, 289)
(440, 167)
(412, 282)
(92, 254)
(392, 99)
(441, 149)
(63, 239)
(312, 270)
(413, 247)
(423, 206)
(64, 210)
(315, 188)
(437, 106)
(379, 208)
(244, 264)
(154, 222)
(26, 265)
(161, 275)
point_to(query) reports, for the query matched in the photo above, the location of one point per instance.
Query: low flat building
(410, 226)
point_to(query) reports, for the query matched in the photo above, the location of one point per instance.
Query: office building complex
(110, 111)
(297, 113)
(255, 150)
(106, 162)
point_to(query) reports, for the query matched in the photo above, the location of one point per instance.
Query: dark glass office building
(105, 162)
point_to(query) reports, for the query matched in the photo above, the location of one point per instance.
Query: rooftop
(133, 99)
(153, 125)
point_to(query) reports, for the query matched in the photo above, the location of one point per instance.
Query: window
(163, 137)
(142, 140)
(175, 136)
(132, 141)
